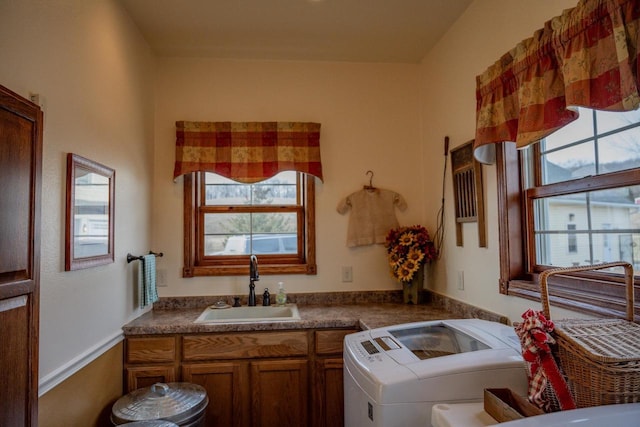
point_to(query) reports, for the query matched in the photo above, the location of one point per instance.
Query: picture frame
(90, 207)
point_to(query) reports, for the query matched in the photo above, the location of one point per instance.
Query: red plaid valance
(586, 57)
(247, 151)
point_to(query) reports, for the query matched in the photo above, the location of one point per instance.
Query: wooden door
(227, 388)
(280, 393)
(328, 393)
(20, 188)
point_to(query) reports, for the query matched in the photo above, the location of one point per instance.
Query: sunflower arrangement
(408, 248)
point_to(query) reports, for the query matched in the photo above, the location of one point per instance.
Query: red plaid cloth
(589, 56)
(534, 333)
(247, 152)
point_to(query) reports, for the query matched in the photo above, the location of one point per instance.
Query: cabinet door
(328, 393)
(280, 393)
(145, 376)
(20, 183)
(227, 388)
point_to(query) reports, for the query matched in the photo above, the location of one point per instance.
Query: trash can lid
(151, 423)
(175, 402)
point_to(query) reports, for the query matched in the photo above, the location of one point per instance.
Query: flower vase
(411, 290)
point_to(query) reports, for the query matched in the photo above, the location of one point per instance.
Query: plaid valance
(587, 57)
(247, 151)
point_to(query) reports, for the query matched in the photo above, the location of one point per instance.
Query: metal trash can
(183, 404)
(154, 423)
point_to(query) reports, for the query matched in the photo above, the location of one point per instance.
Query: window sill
(592, 303)
(244, 271)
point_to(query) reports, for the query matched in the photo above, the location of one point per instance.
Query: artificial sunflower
(408, 249)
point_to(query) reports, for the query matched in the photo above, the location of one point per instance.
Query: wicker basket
(601, 358)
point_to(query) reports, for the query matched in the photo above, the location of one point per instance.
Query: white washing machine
(394, 375)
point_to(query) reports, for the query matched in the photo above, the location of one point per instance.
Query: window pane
(274, 194)
(273, 244)
(223, 191)
(612, 120)
(274, 222)
(552, 249)
(231, 234)
(224, 244)
(279, 190)
(579, 129)
(227, 223)
(620, 151)
(555, 213)
(587, 228)
(564, 158)
(265, 244)
(569, 163)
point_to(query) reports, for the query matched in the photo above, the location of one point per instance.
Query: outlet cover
(347, 273)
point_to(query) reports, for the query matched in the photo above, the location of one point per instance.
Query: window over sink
(227, 221)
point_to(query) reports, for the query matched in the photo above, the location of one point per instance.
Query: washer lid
(175, 402)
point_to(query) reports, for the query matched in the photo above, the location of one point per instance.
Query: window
(572, 240)
(588, 172)
(227, 221)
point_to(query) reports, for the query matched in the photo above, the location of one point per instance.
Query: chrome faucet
(253, 277)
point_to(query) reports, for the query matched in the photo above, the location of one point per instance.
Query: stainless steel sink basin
(249, 314)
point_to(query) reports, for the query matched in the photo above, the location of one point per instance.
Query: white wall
(95, 76)
(370, 120)
(486, 31)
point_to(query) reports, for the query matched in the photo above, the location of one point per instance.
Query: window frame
(197, 264)
(589, 292)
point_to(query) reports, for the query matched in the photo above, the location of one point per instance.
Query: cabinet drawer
(245, 345)
(331, 341)
(155, 349)
(145, 376)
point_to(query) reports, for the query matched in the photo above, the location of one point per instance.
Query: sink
(260, 313)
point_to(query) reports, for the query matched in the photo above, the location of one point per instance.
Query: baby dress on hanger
(372, 215)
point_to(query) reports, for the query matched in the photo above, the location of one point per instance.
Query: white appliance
(394, 375)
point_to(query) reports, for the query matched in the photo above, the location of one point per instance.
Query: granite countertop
(373, 309)
(360, 316)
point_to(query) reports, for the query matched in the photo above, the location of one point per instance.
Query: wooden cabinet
(143, 376)
(21, 125)
(328, 378)
(227, 386)
(245, 345)
(149, 360)
(262, 379)
(280, 393)
(328, 392)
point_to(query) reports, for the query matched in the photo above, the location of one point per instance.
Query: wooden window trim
(592, 293)
(195, 263)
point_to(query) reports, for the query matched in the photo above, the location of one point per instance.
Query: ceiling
(317, 30)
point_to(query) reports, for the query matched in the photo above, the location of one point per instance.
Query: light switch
(347, 273)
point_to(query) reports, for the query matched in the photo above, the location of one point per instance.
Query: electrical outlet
(461, 280)
(347, 273)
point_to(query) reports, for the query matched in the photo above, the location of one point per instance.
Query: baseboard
(74, 365)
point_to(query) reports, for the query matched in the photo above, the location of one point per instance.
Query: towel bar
(137, 258)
